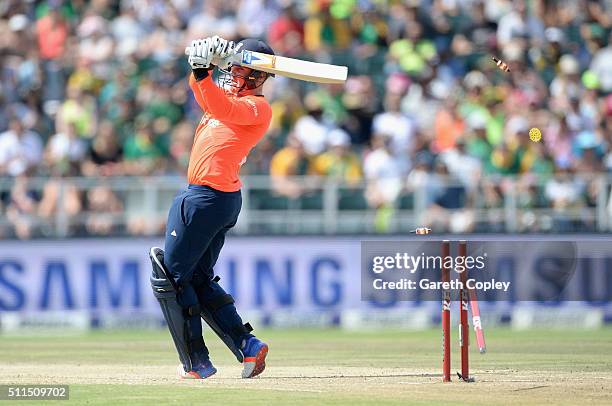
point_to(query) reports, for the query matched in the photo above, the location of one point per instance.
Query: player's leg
(193, 354)
(221, 308)
(189, 230)
(213, 298)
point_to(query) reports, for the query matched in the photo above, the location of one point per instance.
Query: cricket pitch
(321, 367)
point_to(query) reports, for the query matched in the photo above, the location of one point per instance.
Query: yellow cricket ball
(535, 134)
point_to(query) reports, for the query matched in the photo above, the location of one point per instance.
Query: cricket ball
(535, 134)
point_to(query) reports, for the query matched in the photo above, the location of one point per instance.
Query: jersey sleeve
(237, 110)
(197, 93)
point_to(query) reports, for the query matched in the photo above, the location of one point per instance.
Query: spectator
(105, 154)
(21, 211)
(252, 21)
(467, 168)
(65, 151)
(383, 172)
(418, 179)
(53, 31)
(601, 65)
(338, 162)
(60, 198)
(359, 99)
(80, 110)
(141, 151)
(567, 82)
(310, 129)
(477, 144)
(519, 24)
(103, 207)
(286, 163)
(286, 33)
(563, 191)
(180, 145)
(127, 31)
(565, 195)
(448, 127)
(20, 149)
(260, 159)
(95, 45)
(449, 210)
(397, 125)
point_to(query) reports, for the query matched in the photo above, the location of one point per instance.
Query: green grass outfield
(320, 367)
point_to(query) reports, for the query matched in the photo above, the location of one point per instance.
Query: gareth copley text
(426, 284)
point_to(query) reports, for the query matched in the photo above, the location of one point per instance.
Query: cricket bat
(290, 67)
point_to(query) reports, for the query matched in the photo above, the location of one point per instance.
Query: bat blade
(290, 67)
(295, 68)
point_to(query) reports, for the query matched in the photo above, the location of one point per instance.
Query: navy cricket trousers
(197, 223)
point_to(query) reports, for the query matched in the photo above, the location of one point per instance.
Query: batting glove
(201, 53)
(224, 51)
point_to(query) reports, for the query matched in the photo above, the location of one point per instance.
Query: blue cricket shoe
(202, 368)
(255, 352)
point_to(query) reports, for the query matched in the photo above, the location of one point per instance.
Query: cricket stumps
(467, 298)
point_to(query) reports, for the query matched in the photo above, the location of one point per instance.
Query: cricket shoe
(255, 352)
(202, 370)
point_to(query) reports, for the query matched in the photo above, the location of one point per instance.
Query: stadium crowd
(98, 89)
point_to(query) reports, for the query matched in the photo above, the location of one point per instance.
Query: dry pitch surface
(320, 367)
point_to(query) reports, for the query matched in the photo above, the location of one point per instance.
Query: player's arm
(232, 109)
(197, 94)
(221, 106)
(201, 52)
(200, 56)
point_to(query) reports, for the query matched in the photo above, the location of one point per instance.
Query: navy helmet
(255, 45)
(255, 78)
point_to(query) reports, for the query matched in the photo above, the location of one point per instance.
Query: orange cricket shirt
(230, 128)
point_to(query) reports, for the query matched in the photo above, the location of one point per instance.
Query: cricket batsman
(235, 117)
